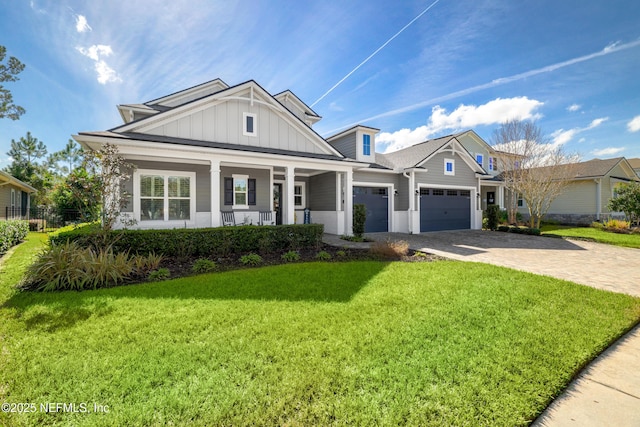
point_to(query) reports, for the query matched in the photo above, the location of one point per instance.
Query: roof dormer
(358, 143)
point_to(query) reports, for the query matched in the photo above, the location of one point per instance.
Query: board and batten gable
(475, 145)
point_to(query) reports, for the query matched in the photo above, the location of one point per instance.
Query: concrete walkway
(607, 392)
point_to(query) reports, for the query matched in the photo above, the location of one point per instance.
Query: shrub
(71, 267)
(359, 219)
(323, 256)
(420, 255)
(597, 225)
(290, 256)
(617, 224)
(389, 249)
(493, 216)
(142, 265)
(203, 265)
(341, 254)
(251, 259)
(12, 232)
(202, 242)
(159, 274)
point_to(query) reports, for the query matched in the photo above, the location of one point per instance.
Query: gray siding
(322, 192)
(401, 184)
(263, 192)
(346, 145)
(464, 175)
(5, 199)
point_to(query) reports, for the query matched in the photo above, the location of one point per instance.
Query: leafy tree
(79, 191)
(8, 73)
(534, 168)
(627, 200)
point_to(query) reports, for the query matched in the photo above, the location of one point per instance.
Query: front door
(277, 202)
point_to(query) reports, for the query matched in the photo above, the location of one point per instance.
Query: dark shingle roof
(411, 156)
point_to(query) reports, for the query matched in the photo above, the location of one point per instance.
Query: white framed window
(449, 167)
(298, 195)
(249, 124)
(164, 196)
(491, 163)
(366, 145)
(13, 198)
(479, 159)
(240, 191)
(520, 201)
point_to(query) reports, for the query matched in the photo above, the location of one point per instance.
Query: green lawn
(595, 234)
(360, 343)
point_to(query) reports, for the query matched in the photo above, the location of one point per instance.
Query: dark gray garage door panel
(376, 201)
(444, 209)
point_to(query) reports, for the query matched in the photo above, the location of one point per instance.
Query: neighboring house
(635, 164)
(14, 197)
(214, 148)
(587, 198)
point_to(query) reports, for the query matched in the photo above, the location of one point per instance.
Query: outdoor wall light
(417, 192)
(395, 192)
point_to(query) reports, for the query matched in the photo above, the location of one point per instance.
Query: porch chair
(266, 218)
(228, 218)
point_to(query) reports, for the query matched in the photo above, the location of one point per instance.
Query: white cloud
(562, 136)
(464, 117)
(634, 124)
(106, 74)
(335, 107)
(81, 24)
(574, 107)
(609, 151)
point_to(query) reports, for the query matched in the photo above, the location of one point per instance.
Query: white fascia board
(354, 129)
(266, 99)
(175, 152)
(188, 91)
(461, 151)
(383, 171)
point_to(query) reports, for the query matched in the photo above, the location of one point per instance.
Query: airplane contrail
(374, 53)
(612, 48)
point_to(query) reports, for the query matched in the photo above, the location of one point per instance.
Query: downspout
(598, 197)
(412, 199)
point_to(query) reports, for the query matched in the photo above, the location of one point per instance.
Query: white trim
(246, 193)
(303, 194)
(254, 118)
(453, 167)
(481, 155)
(165, 222)
(13, 199)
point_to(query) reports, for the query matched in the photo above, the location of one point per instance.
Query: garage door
(443, 209)
(376, 201)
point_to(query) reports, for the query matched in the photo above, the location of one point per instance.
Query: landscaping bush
(389, 249)
(598, 225)
(291, 256)
(159, 274)
(204, 242)
(617, 224)
(203, 265)
(251, 259)
(493, 216)
(11, 233)
(323, 256)
(359, 218)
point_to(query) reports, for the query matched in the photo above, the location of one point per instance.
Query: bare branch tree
(534, 168)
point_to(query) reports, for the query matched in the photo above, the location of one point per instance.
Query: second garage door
(444, 209)
(376, 201)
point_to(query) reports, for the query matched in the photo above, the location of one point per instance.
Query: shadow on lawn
(310, 282)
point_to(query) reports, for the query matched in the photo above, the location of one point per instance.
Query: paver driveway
(594, 264)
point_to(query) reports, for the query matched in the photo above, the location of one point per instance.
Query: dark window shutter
(228, 191)
(252, 191)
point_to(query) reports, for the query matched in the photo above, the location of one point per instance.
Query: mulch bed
(181, 267)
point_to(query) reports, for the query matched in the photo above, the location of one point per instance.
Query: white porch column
(215, 193)
(289, 192)
(598, 198)
(501, 197)
(348, 203)
(339, 191)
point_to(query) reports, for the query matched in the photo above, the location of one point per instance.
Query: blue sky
(414, 69)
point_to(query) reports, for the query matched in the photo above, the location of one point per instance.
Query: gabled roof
(635, 163)
(5, 178)
(206, 88)
(598, 168)
(219, 145)
(412, 156)
(302, 105)
(351, 130)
